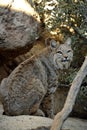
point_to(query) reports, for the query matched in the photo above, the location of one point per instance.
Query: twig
(70, 101)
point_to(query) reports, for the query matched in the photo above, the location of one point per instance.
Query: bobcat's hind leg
(25, 100)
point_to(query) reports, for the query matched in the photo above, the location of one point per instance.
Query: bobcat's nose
(65, 59)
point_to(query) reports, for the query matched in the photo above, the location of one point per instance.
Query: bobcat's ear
(53, 44)
(68, 41)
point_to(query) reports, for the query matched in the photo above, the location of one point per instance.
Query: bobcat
(24, 89)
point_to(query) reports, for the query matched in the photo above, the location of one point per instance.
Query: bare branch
(70, 101)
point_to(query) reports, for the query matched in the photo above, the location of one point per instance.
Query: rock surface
(37, 123)
(19, 28)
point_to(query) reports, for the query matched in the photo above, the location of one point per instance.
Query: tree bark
(19, 28)
(70, 101)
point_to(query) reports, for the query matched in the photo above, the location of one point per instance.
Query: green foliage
(64, 14)
(66, 77)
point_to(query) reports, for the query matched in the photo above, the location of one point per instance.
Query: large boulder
(19, 28)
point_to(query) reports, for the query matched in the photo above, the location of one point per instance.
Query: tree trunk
(70, 101)
(19, 28)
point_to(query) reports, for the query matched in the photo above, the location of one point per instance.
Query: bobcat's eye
(59, 52)
(68, 51)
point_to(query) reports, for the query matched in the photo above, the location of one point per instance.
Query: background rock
(80, 107)
(19, 28)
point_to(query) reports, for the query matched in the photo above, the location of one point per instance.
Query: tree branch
(70, 101)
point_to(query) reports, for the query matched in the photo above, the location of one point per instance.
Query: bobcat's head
(62, 54)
